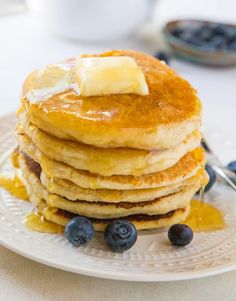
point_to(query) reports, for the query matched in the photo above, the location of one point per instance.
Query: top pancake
(159, 120)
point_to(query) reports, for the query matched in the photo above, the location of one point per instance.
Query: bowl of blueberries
(202, 42)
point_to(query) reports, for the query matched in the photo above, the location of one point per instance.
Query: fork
(216, 165)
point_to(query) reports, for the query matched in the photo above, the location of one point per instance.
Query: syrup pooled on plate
(36, 222)
(15, 187)
(204, 217)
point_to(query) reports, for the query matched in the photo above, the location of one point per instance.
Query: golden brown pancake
(107, 162)
(187, 167)
(73, 192)
(160, 120)
(141, 222)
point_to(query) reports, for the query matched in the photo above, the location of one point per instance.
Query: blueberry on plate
(120, 235)
(79, 231)
(180, 235)
(212, 177)
(162, 56)
(232, 166)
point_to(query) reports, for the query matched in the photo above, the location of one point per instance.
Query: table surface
(25, 46)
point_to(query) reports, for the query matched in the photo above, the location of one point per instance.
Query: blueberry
(232, 45)
(232, 166)
(219, 29)
(212, 177)
(191, 37)
(162, 56)
(177, 32)
(205, 34)
(188, 36)
(218, 42)
(120, 235)
(180, 235)
(231, 34)
(79, 231)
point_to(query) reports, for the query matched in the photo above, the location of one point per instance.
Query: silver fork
(216, 165)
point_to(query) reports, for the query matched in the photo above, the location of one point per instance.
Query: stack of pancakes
(116, 156)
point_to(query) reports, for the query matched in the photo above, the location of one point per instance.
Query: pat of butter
(109, 75)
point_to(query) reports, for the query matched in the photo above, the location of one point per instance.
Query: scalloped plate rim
(125, 277)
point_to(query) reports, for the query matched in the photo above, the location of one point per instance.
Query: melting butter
(109, 75)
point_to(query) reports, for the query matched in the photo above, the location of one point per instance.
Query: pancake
(160, 120)
(186, 167)
(73, 192)
(108, 210)
(108, 162)
(141, 222)
(104, 210)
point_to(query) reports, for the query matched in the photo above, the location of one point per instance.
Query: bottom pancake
(141, 222)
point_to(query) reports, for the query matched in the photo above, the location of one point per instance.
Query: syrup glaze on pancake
(126, 120)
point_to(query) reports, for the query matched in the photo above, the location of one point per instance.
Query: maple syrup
(14, 158)
(36, 222)
(15, 187)
(204, 217)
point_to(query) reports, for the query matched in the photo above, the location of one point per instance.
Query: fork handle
(225, 174)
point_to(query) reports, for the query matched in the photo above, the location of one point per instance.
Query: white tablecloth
(23, 47)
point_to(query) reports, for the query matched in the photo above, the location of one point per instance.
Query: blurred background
(37, 32)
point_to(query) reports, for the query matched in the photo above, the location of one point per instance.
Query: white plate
(151, 259)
